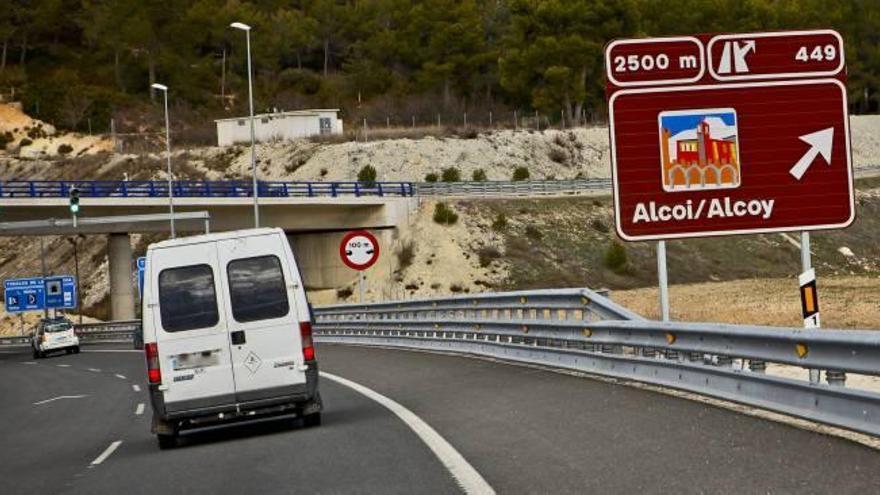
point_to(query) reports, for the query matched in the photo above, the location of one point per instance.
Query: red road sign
(752, 137)
(359, 250)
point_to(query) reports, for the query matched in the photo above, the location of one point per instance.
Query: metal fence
(198, 189)
(580, 330)
(513, 188)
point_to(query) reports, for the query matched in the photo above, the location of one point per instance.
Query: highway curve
(524, 430)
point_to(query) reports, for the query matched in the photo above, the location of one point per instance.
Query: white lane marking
(464, 474)
(29, 362)
(136, 388)
(58, 398)
(140, 409)
(121, 377)
(96, 370)
(63, 365)
(107, 452)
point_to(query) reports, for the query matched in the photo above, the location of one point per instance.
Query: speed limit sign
(359, 250)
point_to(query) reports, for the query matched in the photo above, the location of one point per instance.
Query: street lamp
(247, 31)
(164, 90)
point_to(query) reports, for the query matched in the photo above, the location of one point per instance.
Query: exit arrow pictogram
(820, 144)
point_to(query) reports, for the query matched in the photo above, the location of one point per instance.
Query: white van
(227, 333)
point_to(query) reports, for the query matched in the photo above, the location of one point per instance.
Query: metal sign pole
(361, 285)
(661, 275)
(43, 270)
(806, 264)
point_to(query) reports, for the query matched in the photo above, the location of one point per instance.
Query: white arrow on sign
(820, 144)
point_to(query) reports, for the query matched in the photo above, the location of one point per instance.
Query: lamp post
(164, 90)
(247, 31)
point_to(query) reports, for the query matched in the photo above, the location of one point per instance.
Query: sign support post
(43, 269)
(806, 264)
(361, 286)
(661, 275)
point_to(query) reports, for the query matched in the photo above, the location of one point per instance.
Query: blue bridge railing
(200, 189)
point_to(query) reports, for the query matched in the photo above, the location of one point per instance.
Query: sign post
(359, 250)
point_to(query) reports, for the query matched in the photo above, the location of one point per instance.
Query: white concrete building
(279, 125)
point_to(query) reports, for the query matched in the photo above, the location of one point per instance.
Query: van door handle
(238, 337)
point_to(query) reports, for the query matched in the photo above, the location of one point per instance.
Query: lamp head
(240, 25)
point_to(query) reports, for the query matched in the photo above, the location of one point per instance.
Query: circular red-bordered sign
(359, 250)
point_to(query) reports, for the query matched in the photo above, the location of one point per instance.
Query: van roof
(220, 236)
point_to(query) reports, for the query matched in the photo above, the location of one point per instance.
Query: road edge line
(107, 452)
(461, 470)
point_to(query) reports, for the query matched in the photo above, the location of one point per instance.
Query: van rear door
(193, 344)
(264, 333)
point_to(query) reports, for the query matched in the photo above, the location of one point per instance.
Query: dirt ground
(844, 302)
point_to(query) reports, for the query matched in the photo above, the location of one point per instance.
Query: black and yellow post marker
(74, 204)
(809, 299)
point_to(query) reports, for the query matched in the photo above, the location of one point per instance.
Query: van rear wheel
(310, 420)
(167, 441)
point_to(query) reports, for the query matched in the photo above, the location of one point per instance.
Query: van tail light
(153, 373)
(305, 331)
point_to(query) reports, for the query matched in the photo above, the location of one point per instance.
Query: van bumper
(297, 399)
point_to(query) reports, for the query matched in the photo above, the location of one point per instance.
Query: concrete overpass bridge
(314, 214)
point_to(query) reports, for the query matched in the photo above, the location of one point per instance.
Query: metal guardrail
(89, 333)
(513, 188)
(198, 189)
(579, 330)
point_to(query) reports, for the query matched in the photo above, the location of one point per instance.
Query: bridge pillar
(121, 288)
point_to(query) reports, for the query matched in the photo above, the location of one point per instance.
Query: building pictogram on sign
(699, 149)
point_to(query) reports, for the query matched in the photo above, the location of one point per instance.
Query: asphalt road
(524, 430)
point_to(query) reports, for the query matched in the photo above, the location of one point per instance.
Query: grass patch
(487, 255)
(405, 256)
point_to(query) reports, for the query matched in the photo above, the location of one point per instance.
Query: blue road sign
(24, 294)
(141, 268)
(61, 292)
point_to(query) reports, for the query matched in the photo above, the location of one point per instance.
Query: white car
(54, 335)
(227, 333)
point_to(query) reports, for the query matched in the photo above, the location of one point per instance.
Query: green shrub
(599, 226)
(5, 139)
(444, 214)
(344, 293)
(431, 177)
(615, 256)
(405, 256)
(479, 175)
(558, 155)
(64, 149)
(521, 173)
(367, 175)
(24, 142)
(487, 255)
(533, 233)
(500, 222)
(323, 172)
(451, 174)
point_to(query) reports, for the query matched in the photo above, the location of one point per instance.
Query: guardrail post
(835, 377)
(357, 190)
(379, 186)
(333, 189)
(757, 366)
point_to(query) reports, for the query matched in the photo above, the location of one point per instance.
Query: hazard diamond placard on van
(729, 134)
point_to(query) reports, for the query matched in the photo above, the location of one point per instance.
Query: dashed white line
(464, 474)
(29, 362)
(63, 365)
(121, 377)
(140, 409)
(58, 398)
(107, 452)
(136, 388)
(113, 350)
(96, 370)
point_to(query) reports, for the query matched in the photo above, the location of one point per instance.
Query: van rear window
(256, 288)
(187, 299)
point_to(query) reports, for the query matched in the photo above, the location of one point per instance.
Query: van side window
(187, 299)
(257, 289)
